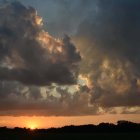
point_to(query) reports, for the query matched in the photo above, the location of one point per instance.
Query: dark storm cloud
(107, 36)
(29, 54)
(111, 57)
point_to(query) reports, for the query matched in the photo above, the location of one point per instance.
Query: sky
(69, 62)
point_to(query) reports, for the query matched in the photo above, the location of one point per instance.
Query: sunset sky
(66, 62)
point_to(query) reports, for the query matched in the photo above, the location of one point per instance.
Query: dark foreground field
(123, 130)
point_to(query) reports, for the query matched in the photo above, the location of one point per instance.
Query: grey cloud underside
(19, 99)
(107, 35)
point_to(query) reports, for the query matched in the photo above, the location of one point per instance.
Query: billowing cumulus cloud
(29, 54)
(105, 79)
(111, 56)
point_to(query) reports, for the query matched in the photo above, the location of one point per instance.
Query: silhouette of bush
(122, 129)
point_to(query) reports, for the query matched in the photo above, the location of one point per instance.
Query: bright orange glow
(49, 42)
(32, 125)
(84, 80)
(38, 20)
(47, 122)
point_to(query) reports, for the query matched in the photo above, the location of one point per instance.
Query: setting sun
(32, 125)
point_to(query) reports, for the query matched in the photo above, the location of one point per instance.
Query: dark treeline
(123, 129)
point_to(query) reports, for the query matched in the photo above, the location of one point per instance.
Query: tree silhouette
(122, 130)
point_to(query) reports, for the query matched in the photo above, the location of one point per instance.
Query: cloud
(17, 99)
(103, 77)
(29, 54)
(111, 56)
